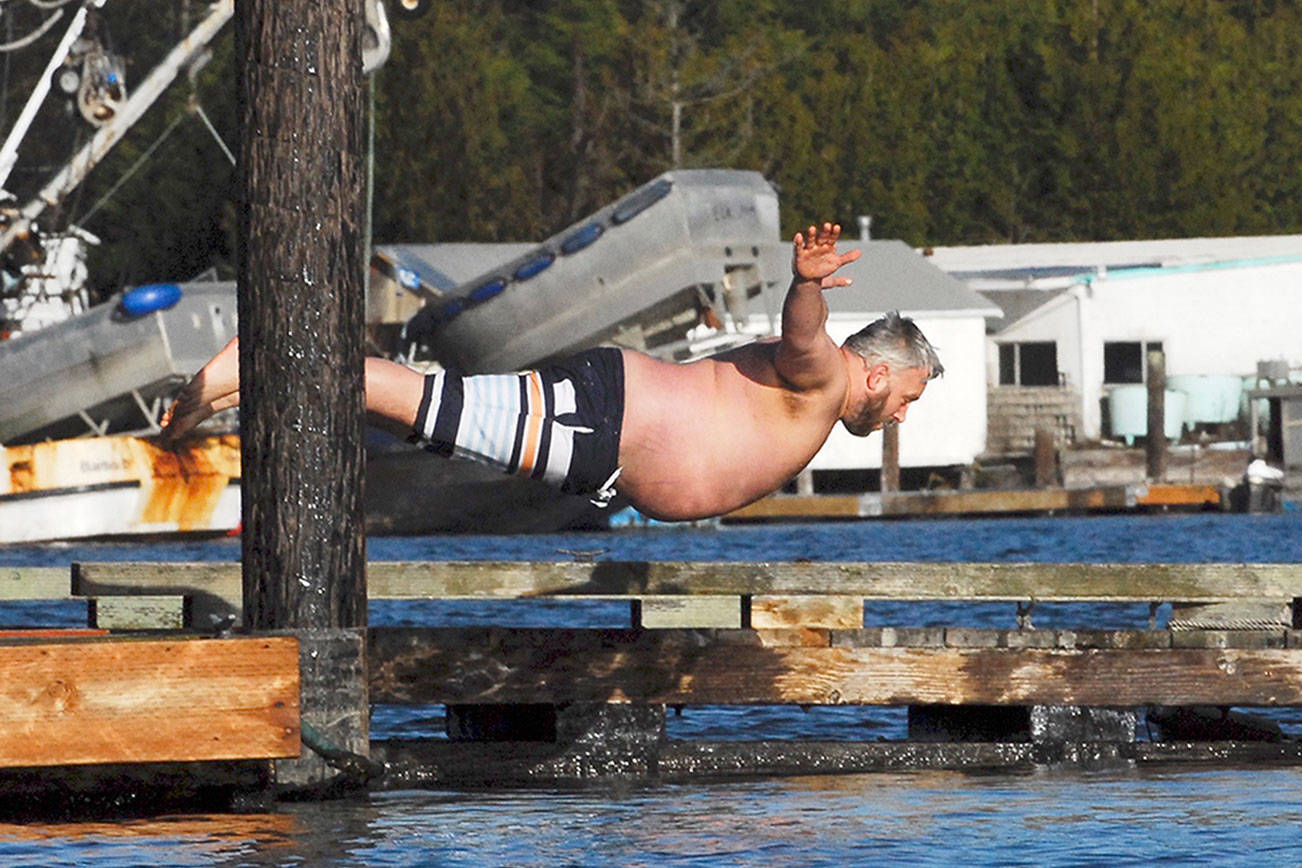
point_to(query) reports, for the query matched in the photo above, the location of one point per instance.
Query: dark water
(1050, 817)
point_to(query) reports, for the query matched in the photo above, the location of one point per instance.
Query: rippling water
(1048, 817)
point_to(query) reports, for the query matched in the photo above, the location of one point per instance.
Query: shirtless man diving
(679, 441)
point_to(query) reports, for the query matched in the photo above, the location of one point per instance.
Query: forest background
(949, 121)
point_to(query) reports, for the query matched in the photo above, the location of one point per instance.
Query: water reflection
(1042, 817)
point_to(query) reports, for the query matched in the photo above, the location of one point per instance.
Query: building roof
(1017, 303)
(890, 275)
(1004, 266)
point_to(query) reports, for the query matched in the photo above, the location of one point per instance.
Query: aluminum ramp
(640, 272)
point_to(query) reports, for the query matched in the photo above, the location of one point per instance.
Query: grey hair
(897, 341)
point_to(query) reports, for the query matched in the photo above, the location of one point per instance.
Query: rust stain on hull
(185, 484)
(179, 487)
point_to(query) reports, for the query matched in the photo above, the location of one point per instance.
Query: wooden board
(665, 612)
(137, 612)
(1173, 494)
(796, 506)
(1018, 501)
(885, 580)
(107, 701)
(524, 666)
(773, 612)
(34, 583)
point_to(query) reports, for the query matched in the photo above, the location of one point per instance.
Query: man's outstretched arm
(807, 356)
(392, 391)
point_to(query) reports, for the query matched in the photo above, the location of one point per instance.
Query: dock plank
(98, 701)
(900, 504)
(411, 665)
(34, 583)
(1116, 582)
(797, 506)
(1175, 494)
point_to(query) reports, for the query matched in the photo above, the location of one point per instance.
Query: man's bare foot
(215, 388)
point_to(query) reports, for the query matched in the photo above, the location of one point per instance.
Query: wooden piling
(1046, 459)
(890, 458)
(301, 109)
(1155, 442)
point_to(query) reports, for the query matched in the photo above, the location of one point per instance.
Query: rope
(126, 176)
(198, 109)
(36, 34)
(351, 765)
(1227, 624)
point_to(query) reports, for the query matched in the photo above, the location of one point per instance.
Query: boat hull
(130, 487)
(95, 487)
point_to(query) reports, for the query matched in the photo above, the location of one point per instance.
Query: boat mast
(111, 133)
(9, 153)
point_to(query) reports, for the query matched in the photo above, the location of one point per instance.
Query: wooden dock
(547, 705)
(945, 502)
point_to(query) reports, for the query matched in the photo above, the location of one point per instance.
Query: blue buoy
(449, 311)
(485, 291)
(581, 238)
(641, 200)
(535, 266)
(149, 298)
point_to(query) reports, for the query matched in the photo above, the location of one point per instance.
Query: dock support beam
(302, 171)
(1040, 724)
(890, 458)
(1155, 442)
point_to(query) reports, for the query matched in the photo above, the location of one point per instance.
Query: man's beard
(868, 419)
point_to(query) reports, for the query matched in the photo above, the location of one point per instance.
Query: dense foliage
(950, 121)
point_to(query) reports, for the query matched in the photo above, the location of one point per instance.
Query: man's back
(705, 438)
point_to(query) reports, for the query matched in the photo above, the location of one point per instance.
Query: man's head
(898, 361)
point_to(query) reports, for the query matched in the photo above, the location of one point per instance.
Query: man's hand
(216, 387)
(814, 258)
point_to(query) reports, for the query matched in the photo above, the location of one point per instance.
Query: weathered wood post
(1046, 458)
(1155, 448)
(301, 358)
(890, 458)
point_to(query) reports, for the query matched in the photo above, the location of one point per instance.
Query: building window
(1033, 363)
(1127, 361)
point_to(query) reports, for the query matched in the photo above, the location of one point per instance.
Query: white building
(1079, 318)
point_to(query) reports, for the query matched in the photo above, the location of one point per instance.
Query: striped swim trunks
(560, 423)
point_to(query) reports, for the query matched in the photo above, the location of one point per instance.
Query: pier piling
(301, 110)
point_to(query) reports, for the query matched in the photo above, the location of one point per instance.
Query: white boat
(118, 486)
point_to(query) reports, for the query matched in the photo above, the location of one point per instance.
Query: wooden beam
(554, 666)
(797, 506)
(1176, 494)
(137, 612)
(105, 701)
(907, 503)
(441, 763)
(663, 612)
(1189, 583)
(34, 583)
(773, 611)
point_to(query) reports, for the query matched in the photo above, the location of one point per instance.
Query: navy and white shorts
(560, 423)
